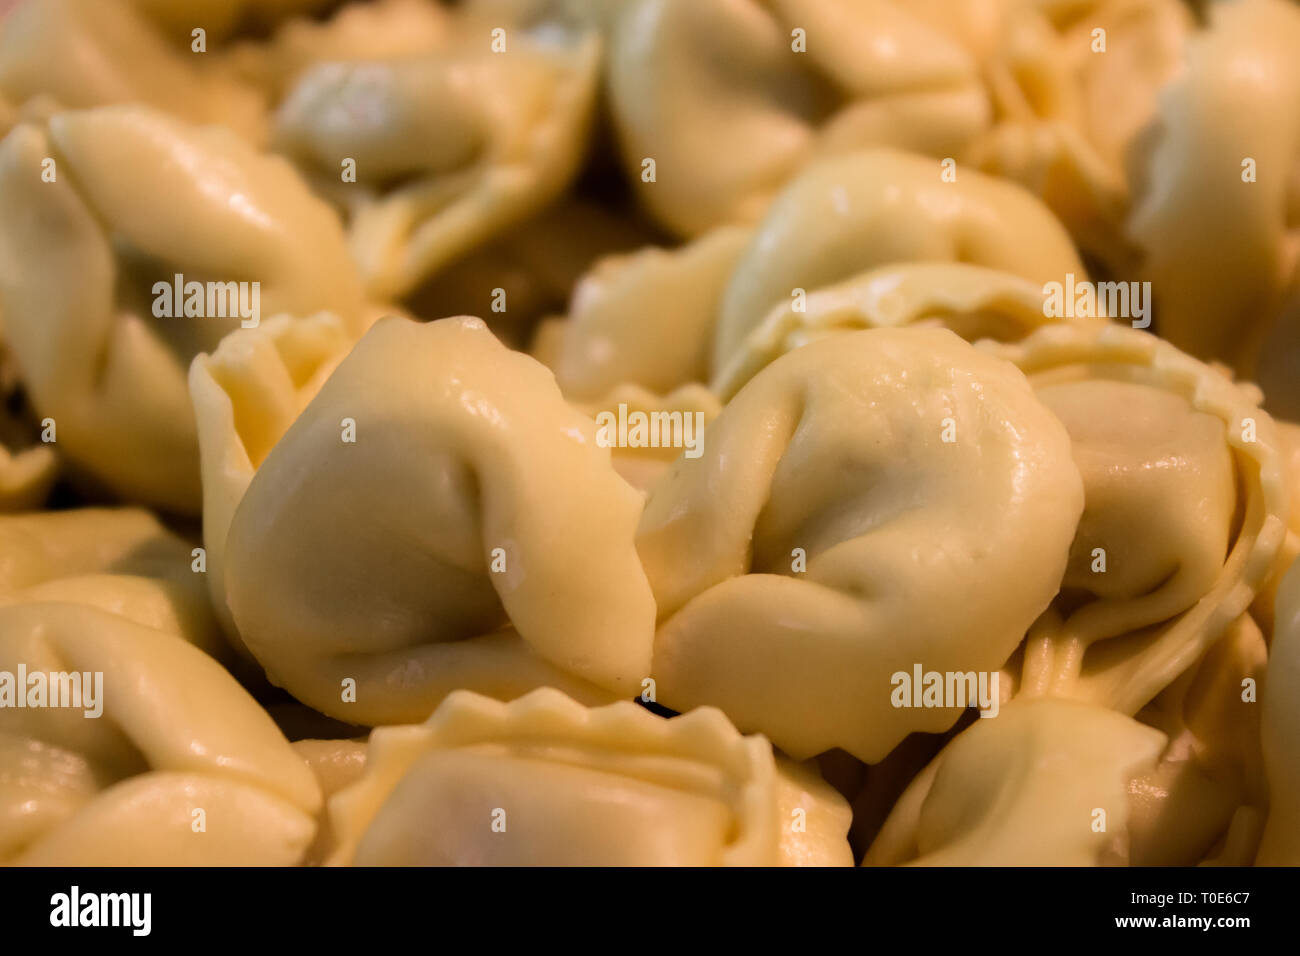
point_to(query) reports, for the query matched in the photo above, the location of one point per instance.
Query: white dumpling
(1074, 86)
(730, 98)
(545, 781)
(139, 198)
(452, 144)
(177, 736)
(1045, 783)
(79, 54)
(645, 318)
(120, 560)
(1185, 508)
(849, 214)
(472, 498)
(972, 301)
(918, 549)
(1217, 219)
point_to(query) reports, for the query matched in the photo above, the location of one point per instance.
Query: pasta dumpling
(852, 505)
(645, 318)
(729, 98)
(177, 743)
(972, 301)
(1045, 783)
(79, 54)
(449, 145)
(1217, 219)
(1185, 508)
(120, 560)
(852, 213)
(545, 781)
(139, 201)
(1074, 86)
(436, 489)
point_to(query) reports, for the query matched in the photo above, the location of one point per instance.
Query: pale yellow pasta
(849, 214)
(182, 768)
(119, 560)
(545, 781)
(669, 425)
(1074, 86)
(1185, 509)
(442, 489)
(1206, 797)
(868, 502)
(86, 260)
(1218, 214)
(645, 318)
(972, 301)
(450, 144)
(1045, 783)
(80, 54)
(729, 98)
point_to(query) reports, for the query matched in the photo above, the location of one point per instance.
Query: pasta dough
(1174, 457)
(646, 318)
(140, 199)
(178, 736)
(1027, 788)
(855, 212)
(1208, 787)
(838, 450)
(972, 301)
(1217, 218)
(545, 781)
(472, 497)
(452, 143)
(120, 560)
(80, 54)
(1074, 86)
(719, 94)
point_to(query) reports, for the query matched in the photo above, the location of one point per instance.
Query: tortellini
(719, 102)
(972, 301)
(1075, 86)
(870, 501)
(1207, 794)
(119, 560)
(645, 318)
(878, 207)
(1185, 508)
(1045, 783)
(78, 54)
(87, 259)
(546, 781)
(663, 319)
(181, 768)
(1218, 218)
(436, 489)
(449, 145)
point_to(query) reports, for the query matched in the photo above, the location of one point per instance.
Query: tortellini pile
(650, 432)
